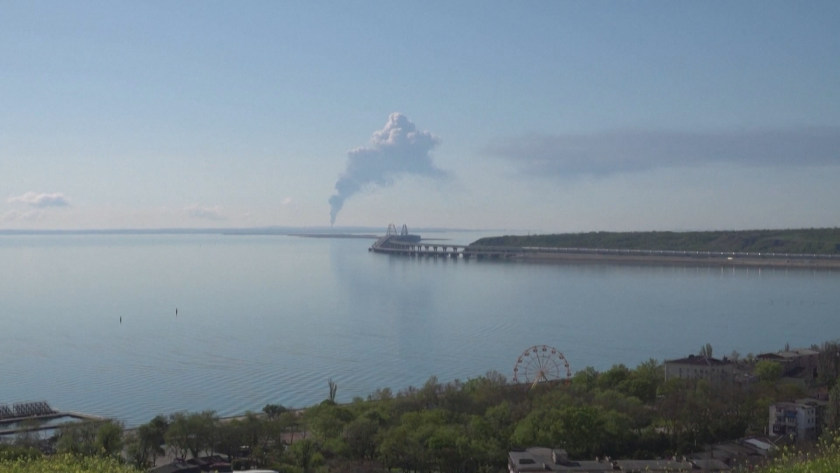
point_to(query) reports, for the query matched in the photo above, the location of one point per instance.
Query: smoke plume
(396, 150)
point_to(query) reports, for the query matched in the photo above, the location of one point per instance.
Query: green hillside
(819, 240)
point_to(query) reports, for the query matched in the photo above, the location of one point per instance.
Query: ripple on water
(270, 320)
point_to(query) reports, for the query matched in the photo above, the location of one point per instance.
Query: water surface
(269, 319)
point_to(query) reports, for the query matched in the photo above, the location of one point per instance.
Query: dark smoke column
(396, 150)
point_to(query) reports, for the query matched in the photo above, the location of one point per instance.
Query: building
(700, 367)
(545, 459)
(796, 419)
(176, 467)
(800, 362)
(820, 408)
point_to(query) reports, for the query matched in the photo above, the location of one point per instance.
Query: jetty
(35, 415)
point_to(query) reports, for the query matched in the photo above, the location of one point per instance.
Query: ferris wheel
(540, 364)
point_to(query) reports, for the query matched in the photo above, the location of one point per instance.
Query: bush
(279, 468)
(10, 453)
(826, 460)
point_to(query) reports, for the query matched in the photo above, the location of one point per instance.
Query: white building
(796, 419)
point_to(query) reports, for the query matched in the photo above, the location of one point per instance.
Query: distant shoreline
(747, 262)
(314, 230)
(333, 235)
(803, 241)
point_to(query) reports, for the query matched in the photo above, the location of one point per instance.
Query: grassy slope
(822, 240)
(65, 464)
(825, 460)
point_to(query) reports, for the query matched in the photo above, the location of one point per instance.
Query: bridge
(393, 245)
(34, 416)
(403, 243)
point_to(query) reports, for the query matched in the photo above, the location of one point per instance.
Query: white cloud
(36, 199)
(397, 149)
(209, 213)
(287, 201)
(28, 216)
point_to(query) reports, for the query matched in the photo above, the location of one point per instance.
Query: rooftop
(546, 459)
(792, 405)
(176, 467)
(700, 360)
(789, 354)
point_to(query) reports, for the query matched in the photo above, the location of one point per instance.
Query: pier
(33, 414)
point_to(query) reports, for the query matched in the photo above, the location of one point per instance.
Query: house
(700, 367)
(796, 419)
(545, 459)
(743, 454)
(176, 467)
(213, 463)
(800, 362)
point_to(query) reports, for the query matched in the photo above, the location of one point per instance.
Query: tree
(613, 377)
(579, 430)
(486, 391)
(361, 438)
(230, 437)
(446, 447)
(706, 350)
(768, 371)
(254, 430)
(832, 415)
(154, 435)
(273, 410)
(191, 432)
(137, 453)
(29, 436)
(828, 363)
(327, 420)
(381, 394)
(645, 380)
(78, 438)
(585, 379)
(333, 389)
(109, 438)
(288, 423)
(303, 453)
(399, 447)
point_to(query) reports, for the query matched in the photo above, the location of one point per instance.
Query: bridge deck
(30, 422)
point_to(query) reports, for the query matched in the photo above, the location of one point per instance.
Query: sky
(520, 116)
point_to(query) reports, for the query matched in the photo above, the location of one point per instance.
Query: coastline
(589, 258)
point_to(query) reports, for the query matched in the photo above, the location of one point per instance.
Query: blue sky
(552, 116)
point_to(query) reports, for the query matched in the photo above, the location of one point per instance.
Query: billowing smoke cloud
(394, 151)
(35, 199)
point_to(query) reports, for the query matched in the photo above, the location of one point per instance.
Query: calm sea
(269, 319)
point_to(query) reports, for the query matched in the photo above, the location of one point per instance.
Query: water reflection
(270, 319)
